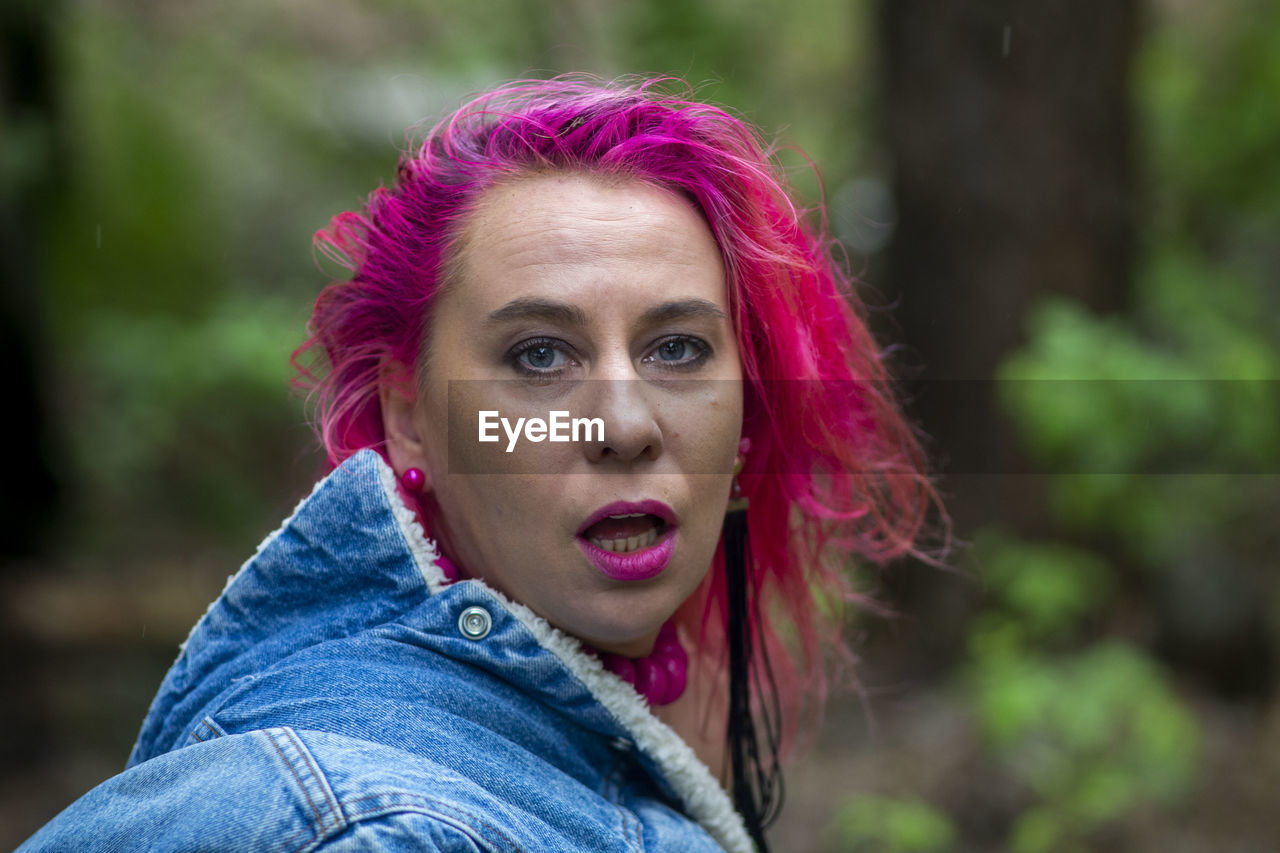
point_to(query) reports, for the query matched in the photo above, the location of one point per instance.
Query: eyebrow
(682, 309)
(540, 309)
(568, 314)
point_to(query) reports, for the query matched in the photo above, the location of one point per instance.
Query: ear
(398, 398)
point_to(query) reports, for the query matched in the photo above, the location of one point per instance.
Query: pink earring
(740, 461)
(413, 480)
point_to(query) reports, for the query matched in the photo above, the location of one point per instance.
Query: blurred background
(1063, 215)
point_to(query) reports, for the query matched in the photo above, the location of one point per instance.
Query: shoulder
(283, 790)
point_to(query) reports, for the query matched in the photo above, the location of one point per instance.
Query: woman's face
(600, 300)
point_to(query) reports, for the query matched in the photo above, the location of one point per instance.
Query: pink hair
(834, 467)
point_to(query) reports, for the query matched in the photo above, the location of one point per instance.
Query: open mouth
(630, 540)
(625, 533)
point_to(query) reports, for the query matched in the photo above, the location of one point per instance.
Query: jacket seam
(316, 772)
(318, 828)
(214, 732)
(489, 833)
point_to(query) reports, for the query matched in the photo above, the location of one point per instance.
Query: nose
(631, 421)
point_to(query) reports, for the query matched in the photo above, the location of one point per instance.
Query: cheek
(709, 444)
(712, 430)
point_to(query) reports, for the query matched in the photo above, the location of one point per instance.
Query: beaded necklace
(660, 676)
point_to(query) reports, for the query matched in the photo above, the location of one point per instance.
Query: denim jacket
(340, 695)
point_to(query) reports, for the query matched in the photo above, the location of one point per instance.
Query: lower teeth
(626, 546)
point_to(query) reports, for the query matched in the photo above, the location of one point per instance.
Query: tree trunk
(1009, 125)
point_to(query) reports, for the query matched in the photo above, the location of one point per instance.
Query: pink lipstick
(629, 540)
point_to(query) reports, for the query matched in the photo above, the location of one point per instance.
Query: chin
(625, 627)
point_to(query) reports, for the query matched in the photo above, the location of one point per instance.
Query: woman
(522, 612)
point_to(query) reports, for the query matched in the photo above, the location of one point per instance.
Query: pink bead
(651, 680)
(678, 653)
(413, 480)
(677, 677)
(667, 636)
(447, 568)
(662, 676)
(666, 647)
(621, 667)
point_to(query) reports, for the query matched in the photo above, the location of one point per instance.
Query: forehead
(572, 229)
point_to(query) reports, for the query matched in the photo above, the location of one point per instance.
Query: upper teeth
(630, 515)
(631, 543)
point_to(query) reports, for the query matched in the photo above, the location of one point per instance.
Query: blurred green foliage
(1159, 417)
(1187, 383)
(1164, 424)
(1206, 89)
(884, 825)
(1091, 727)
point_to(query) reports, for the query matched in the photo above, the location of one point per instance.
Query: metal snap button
(474, 623)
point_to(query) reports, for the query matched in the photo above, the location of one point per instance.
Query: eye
(673, 350)
(540, 356)
(679, 352)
